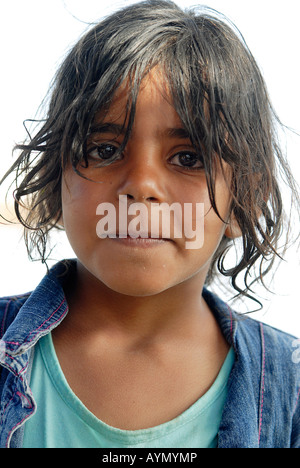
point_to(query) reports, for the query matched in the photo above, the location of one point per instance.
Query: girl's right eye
(103, 154)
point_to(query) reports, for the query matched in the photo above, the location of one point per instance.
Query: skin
(140, 345)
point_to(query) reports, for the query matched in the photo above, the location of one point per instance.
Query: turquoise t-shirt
(62, 420)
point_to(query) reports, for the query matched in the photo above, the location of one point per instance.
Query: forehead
(152, 98)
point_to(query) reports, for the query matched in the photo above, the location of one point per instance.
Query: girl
(125, 346)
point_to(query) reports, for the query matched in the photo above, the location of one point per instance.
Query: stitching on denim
(33, 331)
(18, 374)
(51, 324)
(22, 396)
(263, 381)
(23, 368)
(12, 370)
(16, 425)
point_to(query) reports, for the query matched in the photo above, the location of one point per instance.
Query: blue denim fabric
(262, 407)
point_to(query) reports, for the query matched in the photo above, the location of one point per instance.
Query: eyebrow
(107, 127)
(177, 132)
(117, 129)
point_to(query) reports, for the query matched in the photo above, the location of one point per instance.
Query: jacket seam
(34, 331)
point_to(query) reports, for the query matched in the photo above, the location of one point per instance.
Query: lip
(142, 242)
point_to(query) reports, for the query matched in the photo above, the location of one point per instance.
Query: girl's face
(158, 165)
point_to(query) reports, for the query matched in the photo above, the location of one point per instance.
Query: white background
(34, 37)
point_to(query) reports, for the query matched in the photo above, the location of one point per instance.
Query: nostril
(141, 198)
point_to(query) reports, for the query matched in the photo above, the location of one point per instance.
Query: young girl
(125, 346)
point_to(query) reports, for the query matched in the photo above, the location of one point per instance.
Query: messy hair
(219, 94)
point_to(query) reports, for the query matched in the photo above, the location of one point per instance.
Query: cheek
(80, 197)
(78, 210)
(213, 227)
(190, 197)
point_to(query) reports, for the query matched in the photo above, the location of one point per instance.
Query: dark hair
(219, 94)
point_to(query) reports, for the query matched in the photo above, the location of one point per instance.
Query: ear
(233, 230)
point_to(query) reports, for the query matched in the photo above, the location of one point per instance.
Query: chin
(138, 285)
(137, 289)
(141, 281)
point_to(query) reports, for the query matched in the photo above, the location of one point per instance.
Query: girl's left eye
(187, 160)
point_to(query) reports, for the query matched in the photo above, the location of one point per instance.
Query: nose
(142, 179)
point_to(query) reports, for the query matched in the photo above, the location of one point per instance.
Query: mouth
(143, 240)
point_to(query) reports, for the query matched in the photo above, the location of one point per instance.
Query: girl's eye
(187, 160)
(105, 152)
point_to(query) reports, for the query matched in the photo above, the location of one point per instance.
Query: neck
(177, 311)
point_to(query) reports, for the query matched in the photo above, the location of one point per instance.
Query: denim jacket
(262, 407)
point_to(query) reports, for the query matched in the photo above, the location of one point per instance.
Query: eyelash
(116, 154)
(96, 157)
(197, 159)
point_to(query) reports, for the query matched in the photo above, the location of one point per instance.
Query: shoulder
(9, 308)
(45, 297)
(249, 335)
(282, 354)
(277, 352)
(274, 341)
(279, 380)
(282, 342)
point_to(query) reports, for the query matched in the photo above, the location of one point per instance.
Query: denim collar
(43, 310)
